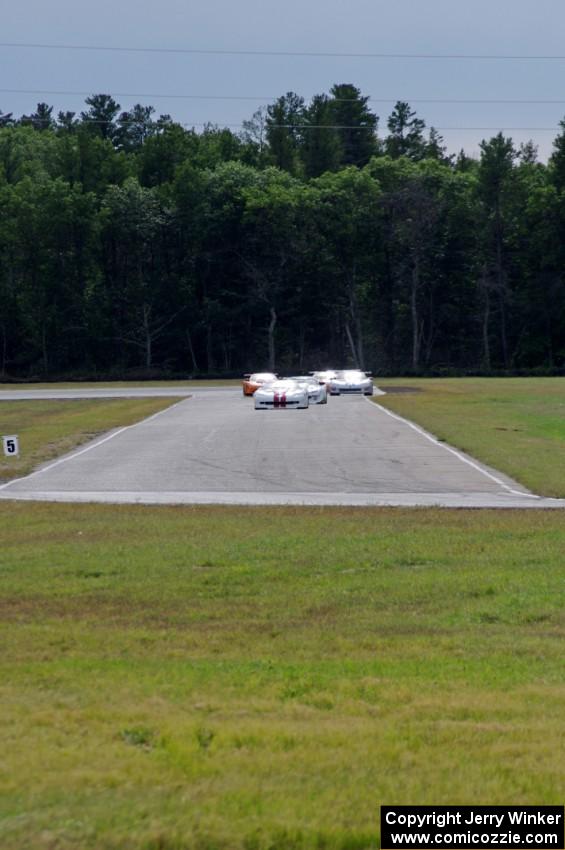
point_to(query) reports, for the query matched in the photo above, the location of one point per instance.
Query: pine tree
(406, 133)
(356, 125)
(557, 159)
(101, 115)
(284, 123)
(321, 150)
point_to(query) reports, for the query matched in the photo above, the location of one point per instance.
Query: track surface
(215, 448)
(102, 392)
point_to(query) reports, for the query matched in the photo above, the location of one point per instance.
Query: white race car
(281, 394)
(351, 381)
(325, 376)
(317, 391)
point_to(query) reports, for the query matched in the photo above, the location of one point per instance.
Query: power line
(212, 125)
(357, 127)
(156, 96)
(290, 53)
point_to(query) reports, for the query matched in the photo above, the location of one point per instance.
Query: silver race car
(281, 394)
(317, 391)
(350, 382)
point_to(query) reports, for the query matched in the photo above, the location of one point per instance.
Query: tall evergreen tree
(406, 133)
(435, 147)
(356, 124)
(495, 175)
(42, 119)
(100, 117)
(254, 133)
(321, 150)
(134, 127)
(66, 121)
(557, 159)
(284, 123)
(6, 119)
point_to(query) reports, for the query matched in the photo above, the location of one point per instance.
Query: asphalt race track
(216, 448)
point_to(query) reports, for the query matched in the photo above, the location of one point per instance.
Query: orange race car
(253, 381)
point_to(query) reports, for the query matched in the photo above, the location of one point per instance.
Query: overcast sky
(501, 27)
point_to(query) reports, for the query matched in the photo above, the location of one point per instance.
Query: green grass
(516, 425)
(175, 678)
(47, 429)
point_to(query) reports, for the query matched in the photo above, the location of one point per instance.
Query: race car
(281, 394)
(351, 381)
(253, 380)
(317, 391)
(325, 376)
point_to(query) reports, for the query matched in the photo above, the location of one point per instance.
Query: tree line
(132, 245)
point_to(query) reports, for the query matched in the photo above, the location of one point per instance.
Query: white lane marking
(90, 447)
(453, 451)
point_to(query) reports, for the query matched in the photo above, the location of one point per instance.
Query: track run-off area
(214, 448)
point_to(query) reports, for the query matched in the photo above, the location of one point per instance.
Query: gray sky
(501, 27)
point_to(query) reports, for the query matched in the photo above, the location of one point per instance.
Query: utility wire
(451, 101)
(322, 54)
(221, 126)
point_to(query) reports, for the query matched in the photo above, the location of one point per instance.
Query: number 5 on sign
(11, 445)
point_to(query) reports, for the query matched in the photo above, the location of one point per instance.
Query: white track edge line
(67, 457)
(93, 446)
(453, 451)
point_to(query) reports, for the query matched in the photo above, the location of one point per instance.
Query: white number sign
(11, 445)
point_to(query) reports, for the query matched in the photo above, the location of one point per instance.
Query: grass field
(47, 429)
(516, 425)
(264, 679)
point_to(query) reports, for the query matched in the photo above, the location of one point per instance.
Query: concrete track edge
(412, 500)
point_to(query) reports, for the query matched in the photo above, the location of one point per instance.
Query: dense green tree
(539, 293)
(495, 174)
(464, 163)
(67, 121)
(163, 153)
(134, 127)
(100, 117)
(435, 146)
(51, 266)
(25, 152)
(557, 159)
(217, 145)
(349, 219)
(321, 149)
(356, 124)
(137, 283)
(284, 130)
(254, 136)
(406, 134)
(6, 119)
(152, 246)
(10, 329)
(42, 119)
